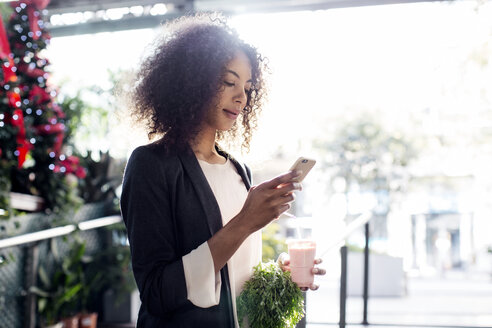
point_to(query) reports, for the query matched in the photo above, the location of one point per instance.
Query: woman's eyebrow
(237, 75)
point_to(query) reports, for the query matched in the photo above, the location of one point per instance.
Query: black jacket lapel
(240, 168)
(203, 191)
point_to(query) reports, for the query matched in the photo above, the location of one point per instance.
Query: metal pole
(343, 285)
(32, 263)
(366, 274)
(302, 323)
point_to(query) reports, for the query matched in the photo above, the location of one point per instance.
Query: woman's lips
(231, 114)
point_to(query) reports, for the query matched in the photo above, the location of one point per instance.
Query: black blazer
(169, 209)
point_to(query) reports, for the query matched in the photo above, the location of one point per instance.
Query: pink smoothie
(301, 253)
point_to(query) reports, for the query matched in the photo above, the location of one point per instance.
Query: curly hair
(182, 77)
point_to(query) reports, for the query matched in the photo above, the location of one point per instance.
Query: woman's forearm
(227, 240)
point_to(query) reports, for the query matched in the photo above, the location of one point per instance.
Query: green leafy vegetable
(270, 299)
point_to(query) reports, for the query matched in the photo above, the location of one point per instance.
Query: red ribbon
(71, 165)
(17, 120)
(23, 147)
(4, 42)
(8, 73)
(33, 22)
(45, 129)
(39, 95)
(29, 70)
(14, 99)
(33, 7)
(58, 142)
(58, 129)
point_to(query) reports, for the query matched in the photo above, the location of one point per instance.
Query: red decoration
(4, 42)
(58, 142)
(23, 146)
(32, 7)
(14, 99)
(8, 73)
(71, 165)
(58, 129)
(30, 70)
(33, 21)
(58, 110)
(50, 128)
(38, 95)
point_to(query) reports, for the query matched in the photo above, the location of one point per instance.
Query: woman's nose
(241, 97)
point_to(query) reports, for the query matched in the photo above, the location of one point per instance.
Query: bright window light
(137, 10)
(158, 9)
(117, 13)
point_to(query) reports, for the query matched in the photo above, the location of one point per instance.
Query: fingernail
(297, 185)
(315, 270)
(297, 173)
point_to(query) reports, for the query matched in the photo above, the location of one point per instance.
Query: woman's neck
(204, 147)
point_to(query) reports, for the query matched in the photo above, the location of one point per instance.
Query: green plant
(111, 269)
(270, 299)
(88, 123)
(103, 178)
(58, 293)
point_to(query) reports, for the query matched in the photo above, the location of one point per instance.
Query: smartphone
(304, 165)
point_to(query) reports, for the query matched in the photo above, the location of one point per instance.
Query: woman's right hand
(268, 200)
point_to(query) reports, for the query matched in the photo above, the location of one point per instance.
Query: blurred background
(392, 98)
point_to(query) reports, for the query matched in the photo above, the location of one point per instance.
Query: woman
(192, 217)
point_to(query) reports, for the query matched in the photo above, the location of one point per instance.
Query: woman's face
(233, 95)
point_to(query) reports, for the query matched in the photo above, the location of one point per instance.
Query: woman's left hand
(283, 261)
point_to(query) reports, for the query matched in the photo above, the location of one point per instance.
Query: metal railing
(58, 231)
(31, 241)
(361, 220)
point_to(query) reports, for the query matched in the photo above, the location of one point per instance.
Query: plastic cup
(302, 253)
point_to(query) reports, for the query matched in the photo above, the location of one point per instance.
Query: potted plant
(87, 317)
(116, 286)
(87, 320)
(57, 293)
(270, 299)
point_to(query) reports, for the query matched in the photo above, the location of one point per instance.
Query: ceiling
(69, 17)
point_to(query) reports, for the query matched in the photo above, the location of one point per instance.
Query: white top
(202, 284)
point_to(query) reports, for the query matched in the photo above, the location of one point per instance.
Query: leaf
(69, 294)
(42, 304)
(44, 277)
(54, 249)
(39, 292)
